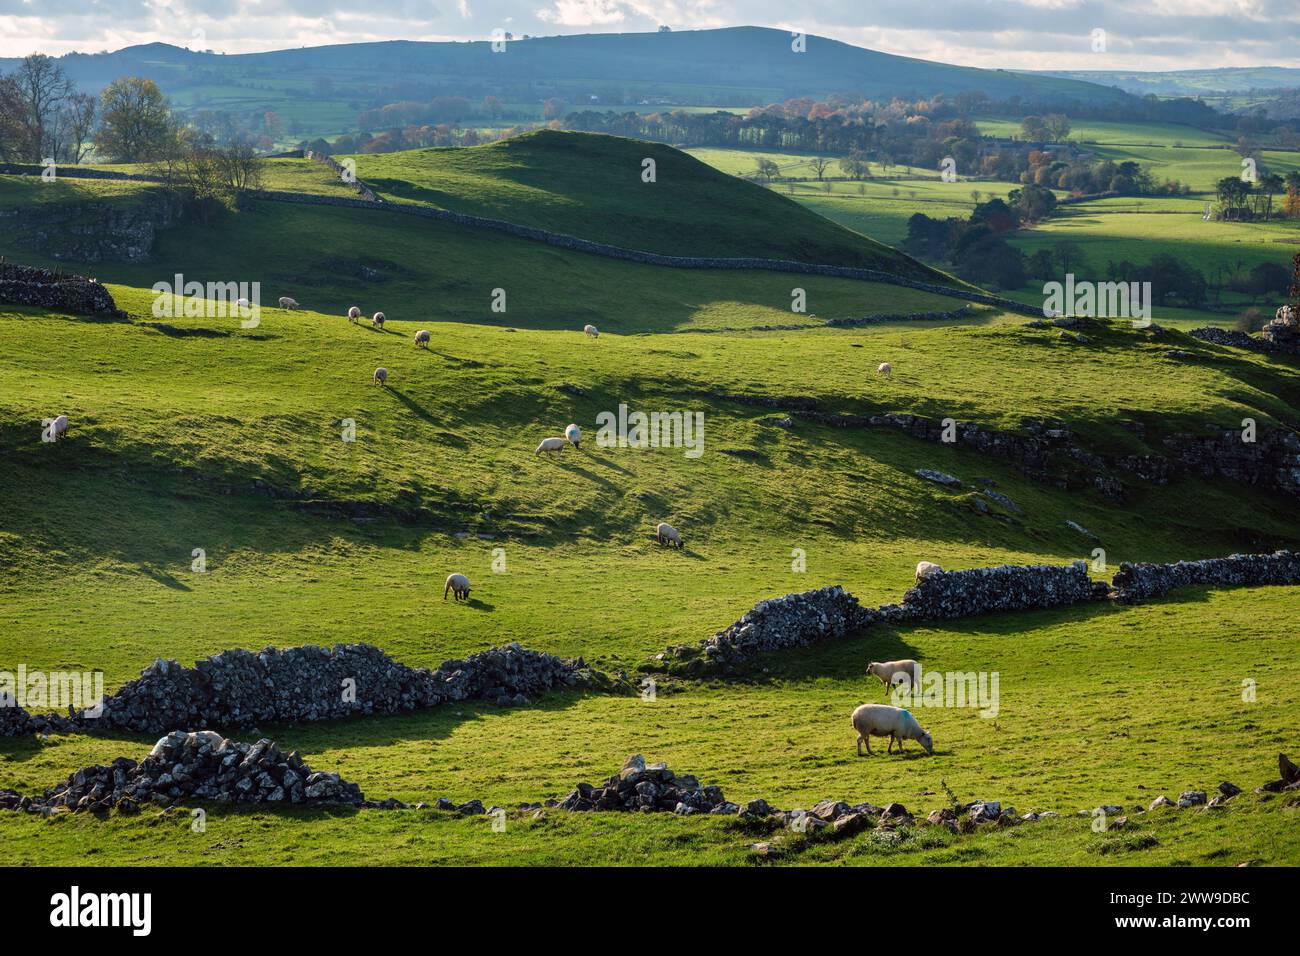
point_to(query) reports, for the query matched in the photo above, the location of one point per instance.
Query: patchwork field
(196, 433)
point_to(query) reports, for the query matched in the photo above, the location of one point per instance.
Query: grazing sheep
(378, 320)
(885, 369)
(591, 331)
(667, 534)
(551, 444)
(573, 435)
(926, 568)
(353, 314)
(59, 427)
(422, 339)
(891, 672)
(288, 303)
(881, 720)
(241, 303)
(381, 376)
(458, 585)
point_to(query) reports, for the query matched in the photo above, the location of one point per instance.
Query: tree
(820, 164)
(39, 91)
(1270, 186)
(1068, 255)
(137, 124)
(1057, 126)
(855, 165)
(1293, 193)
(766, 169)
(11, 130)
(1033, 128)
(554, 108)
(78, 119)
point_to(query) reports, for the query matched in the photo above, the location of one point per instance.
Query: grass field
(196, 433)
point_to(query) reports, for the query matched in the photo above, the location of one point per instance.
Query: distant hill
(744, 64)
(1189, 82)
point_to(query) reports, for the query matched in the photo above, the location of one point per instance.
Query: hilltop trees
(137, 123)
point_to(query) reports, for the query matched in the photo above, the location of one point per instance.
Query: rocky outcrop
(56, 291)
(1282, 333)
(1140, 582)
(91, 231)
(1271, 461)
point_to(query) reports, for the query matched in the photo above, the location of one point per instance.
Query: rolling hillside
(755, 64)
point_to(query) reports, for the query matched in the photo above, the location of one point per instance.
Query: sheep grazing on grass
(925, 569)
(378, 320)
(591, 331)
(667, 534)
(288, 303)
(458, 585)
(381, 376)
(422, 339)
(895, 672)
(353, 314)
(242, 303)
(881, 720)
(885, 369)
(573, 435)
(551, 445)
(59, 427)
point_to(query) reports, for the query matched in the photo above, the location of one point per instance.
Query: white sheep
(242, 303)
(354, 313)
(59, 427)
(573, 435)
(591, 331)
(422, 339)
(881, 720)
(667, 534)
(885, 369)
(551, 445)
(892, 672)
(288, 303)
(925, 569)
(381, 376)
(378, 320)
(458, 585)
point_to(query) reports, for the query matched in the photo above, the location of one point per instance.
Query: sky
(1014, 34)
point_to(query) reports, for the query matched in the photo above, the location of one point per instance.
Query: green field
(196, 433)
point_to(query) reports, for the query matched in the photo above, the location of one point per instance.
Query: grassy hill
(590, 185)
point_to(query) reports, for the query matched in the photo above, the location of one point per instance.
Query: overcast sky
(1027, 34)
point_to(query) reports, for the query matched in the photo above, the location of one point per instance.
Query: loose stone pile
(199, 766)
(25, 285)
(1139, 582)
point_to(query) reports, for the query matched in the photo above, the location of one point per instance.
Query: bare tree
(42, 89)
(820, 164)
(78, 121)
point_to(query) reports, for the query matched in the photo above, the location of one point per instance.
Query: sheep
(591, 331)
(573, 435)
(59, 427)
(242, 303)
(288, 303)
(667, 534)
(881, 720)
(354, 313)
(551, 444)
(891, 672)
(458, 585)
(925, 569)
(422, 339)
(885, 369)
(381, 376)
(378, 320)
